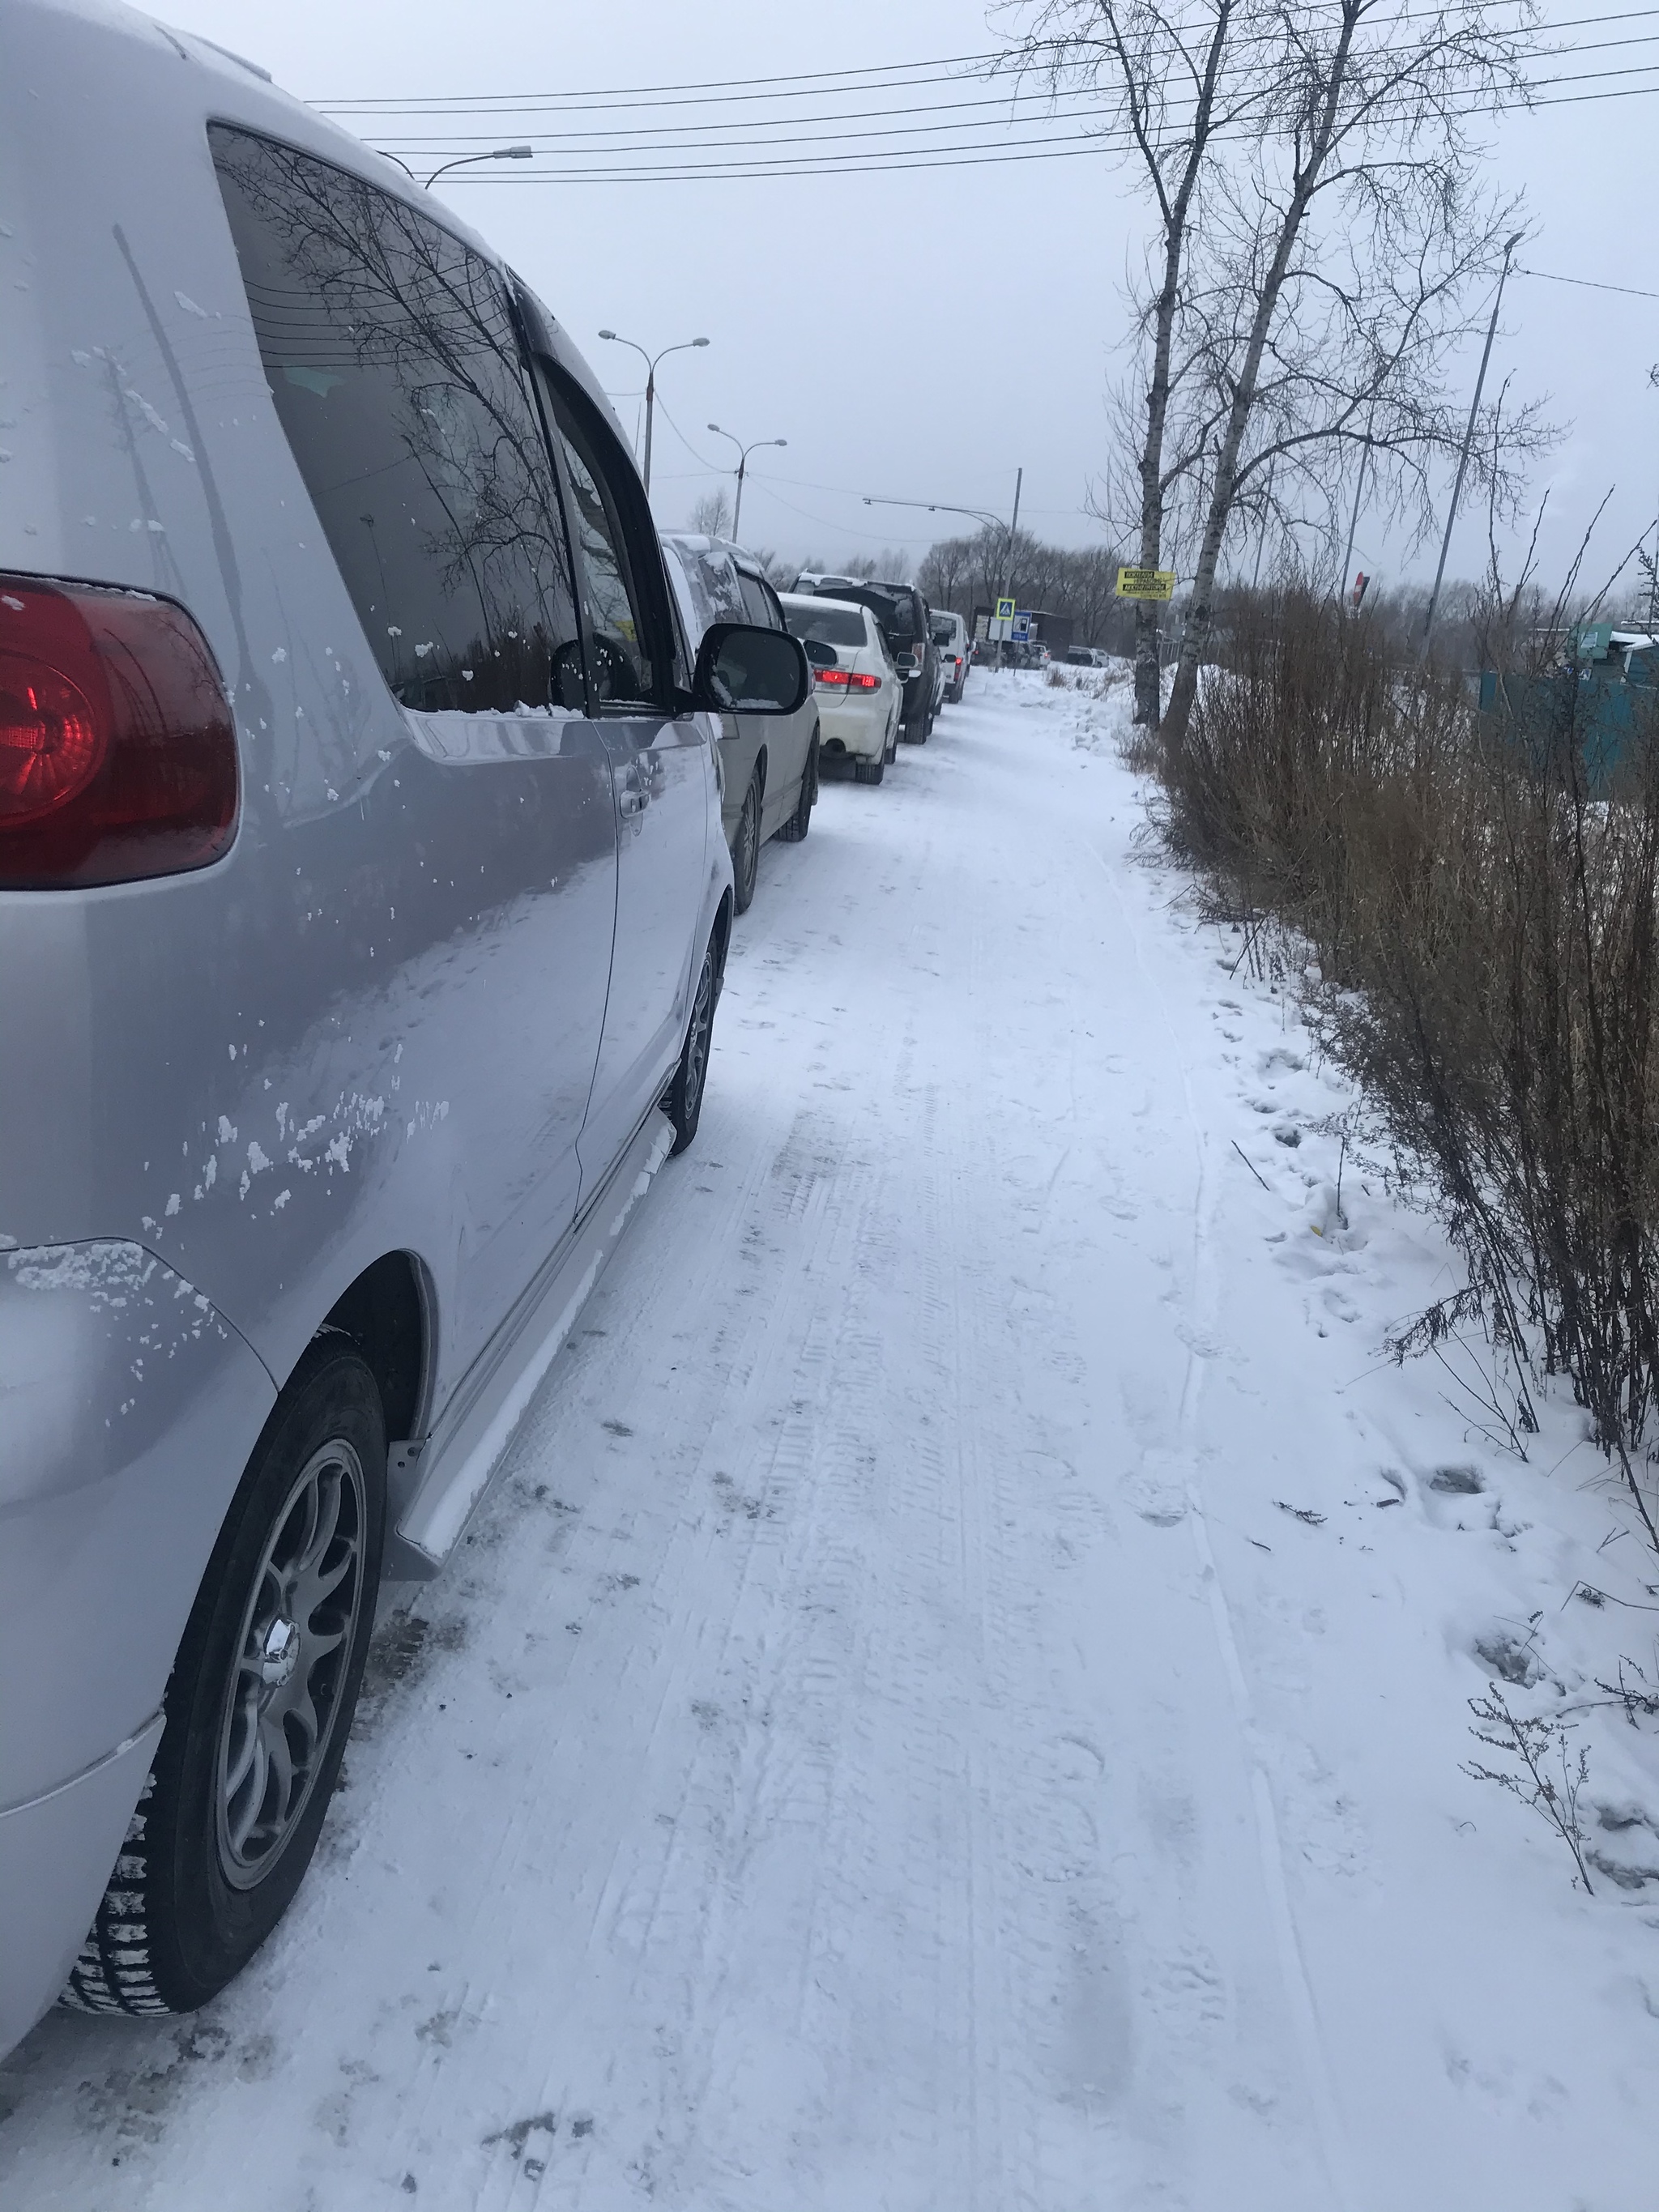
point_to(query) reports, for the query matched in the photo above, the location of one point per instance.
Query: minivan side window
(630, 664)
(390, 351)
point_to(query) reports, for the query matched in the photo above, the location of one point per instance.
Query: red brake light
(850, 678)
(117, 752)
(50, 741)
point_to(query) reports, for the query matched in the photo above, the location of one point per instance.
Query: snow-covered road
(938, 1715)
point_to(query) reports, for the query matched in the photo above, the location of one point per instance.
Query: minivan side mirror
(744, 670)
(906, 664)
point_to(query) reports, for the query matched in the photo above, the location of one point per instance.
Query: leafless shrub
(1537, 1745)
(1482, 890)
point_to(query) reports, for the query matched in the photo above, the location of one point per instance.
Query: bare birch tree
(1319, 228)
(1171, 89)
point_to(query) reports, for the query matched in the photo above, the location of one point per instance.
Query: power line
(828, 83)
(982, 153)
(1586, 283)
(720, 84)
(405, 144)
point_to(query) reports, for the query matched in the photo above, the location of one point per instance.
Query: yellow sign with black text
(1146, 583)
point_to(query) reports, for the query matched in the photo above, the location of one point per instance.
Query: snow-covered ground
(958, 1701)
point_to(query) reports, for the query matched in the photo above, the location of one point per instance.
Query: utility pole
(1354, 521)
(1261, 534)
(1469, 440)
(1008, 561)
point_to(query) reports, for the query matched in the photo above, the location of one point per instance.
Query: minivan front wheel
(257, 1707)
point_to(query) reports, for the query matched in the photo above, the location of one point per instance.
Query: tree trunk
(1201, 608)
(1175, 214)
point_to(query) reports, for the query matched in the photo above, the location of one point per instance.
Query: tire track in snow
(1292, 1966)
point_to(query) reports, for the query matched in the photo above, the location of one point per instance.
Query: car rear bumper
(56, 1855)
(855, 730)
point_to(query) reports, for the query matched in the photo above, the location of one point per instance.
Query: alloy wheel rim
(701, 1025)
(283, 1702)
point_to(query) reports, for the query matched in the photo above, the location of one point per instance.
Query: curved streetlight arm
(495, 154)
(744, 452)
(943, 507)
(992, 521)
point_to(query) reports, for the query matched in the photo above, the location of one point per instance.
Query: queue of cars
(377, 792)
(883, 662)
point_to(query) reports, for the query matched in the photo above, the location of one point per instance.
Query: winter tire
(683, 1100)
(257, 1707)
(869, 771)
(801, 820)
(745, 848)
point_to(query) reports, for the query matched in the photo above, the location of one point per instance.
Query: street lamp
(495, 154)
(993, 521)
(1510, 245)
(651, 384)
(744, 452)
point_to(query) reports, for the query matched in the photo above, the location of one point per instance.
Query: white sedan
(860, 693)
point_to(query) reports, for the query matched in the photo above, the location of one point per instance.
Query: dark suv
(905, 620)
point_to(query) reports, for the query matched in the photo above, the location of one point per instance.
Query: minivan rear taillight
(117, 753)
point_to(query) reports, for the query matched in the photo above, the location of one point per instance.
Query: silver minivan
(363, 905)
(769, 767)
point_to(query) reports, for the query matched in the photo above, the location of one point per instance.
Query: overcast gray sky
(922, 334)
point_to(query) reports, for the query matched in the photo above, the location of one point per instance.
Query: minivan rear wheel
(257, 1707)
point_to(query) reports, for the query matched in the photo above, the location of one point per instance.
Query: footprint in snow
(1160, 1502)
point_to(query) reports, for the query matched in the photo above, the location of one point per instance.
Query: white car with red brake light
(861, 694)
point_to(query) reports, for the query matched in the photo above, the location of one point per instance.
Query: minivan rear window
(827, 625)
(390, 352)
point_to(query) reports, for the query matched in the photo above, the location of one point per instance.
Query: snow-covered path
(890, 1743)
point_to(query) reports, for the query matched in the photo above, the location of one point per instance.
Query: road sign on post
(1146, 583)
(1002, 622)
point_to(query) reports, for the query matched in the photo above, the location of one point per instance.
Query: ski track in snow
(830, 1777)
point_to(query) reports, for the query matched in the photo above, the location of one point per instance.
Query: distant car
(860, 692)
(769, 767)
(905, 621)
(951, 643)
